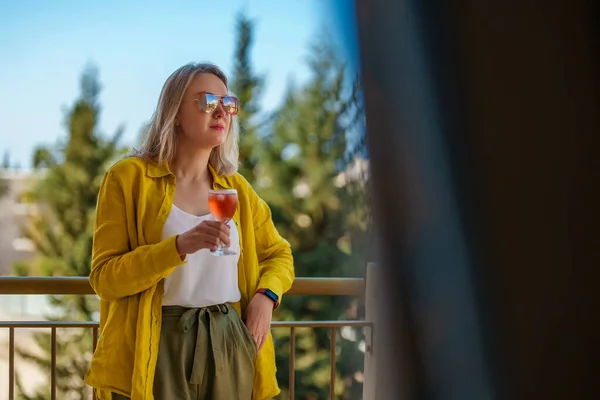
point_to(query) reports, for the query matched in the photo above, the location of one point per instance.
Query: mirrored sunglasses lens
(208, 102)
(230, 104)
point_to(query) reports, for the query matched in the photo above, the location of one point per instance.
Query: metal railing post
(369, 371)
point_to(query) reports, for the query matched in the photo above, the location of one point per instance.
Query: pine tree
(62, 231)
(247, 86)
(306, 177)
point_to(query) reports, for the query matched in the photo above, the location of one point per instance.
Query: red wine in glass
(222, 204)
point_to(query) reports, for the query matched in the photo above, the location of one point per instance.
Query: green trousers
(204, 353)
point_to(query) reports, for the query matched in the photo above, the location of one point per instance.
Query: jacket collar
(161, 170)
(157, 170)
(218, 181)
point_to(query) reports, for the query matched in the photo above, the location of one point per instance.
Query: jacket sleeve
(274, 253)
(118, 271)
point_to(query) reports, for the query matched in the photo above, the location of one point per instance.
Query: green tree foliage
(62, 230)
(247, 86)
(312, 179)
(311, 175)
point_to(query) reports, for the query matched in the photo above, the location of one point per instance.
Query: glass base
(223, 251)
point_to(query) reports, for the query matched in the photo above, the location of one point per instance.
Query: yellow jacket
(130, 262)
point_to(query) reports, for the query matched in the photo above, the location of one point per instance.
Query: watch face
(271, 295)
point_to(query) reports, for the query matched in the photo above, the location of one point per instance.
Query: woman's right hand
(205, 235)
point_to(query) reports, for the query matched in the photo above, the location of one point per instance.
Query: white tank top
(205, 279)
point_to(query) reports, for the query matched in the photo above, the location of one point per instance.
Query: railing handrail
(69, 285)
(275, 324)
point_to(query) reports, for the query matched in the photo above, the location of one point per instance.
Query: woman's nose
(219, 111)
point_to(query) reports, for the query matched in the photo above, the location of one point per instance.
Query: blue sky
(44, 46)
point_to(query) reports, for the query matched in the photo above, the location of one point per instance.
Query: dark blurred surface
(483, 122)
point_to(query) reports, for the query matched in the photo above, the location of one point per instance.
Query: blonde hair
(160, 143)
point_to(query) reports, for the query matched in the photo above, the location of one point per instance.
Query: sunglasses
(208, 102)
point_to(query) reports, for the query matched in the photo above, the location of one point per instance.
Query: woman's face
(197, 127)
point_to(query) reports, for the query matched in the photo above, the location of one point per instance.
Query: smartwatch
(270, 294)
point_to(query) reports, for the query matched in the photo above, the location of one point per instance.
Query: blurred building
(13, 215)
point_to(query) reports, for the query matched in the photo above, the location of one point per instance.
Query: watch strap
(271, 295)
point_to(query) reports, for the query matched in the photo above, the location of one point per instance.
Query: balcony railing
(301, 287)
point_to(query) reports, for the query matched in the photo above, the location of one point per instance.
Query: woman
(171, 313)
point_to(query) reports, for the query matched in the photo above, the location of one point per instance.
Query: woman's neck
(190, 165)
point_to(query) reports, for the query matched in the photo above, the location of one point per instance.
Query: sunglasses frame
(212, 100)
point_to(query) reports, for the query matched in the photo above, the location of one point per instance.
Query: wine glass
(222, 204)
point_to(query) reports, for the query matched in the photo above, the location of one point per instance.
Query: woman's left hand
(258, 318)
